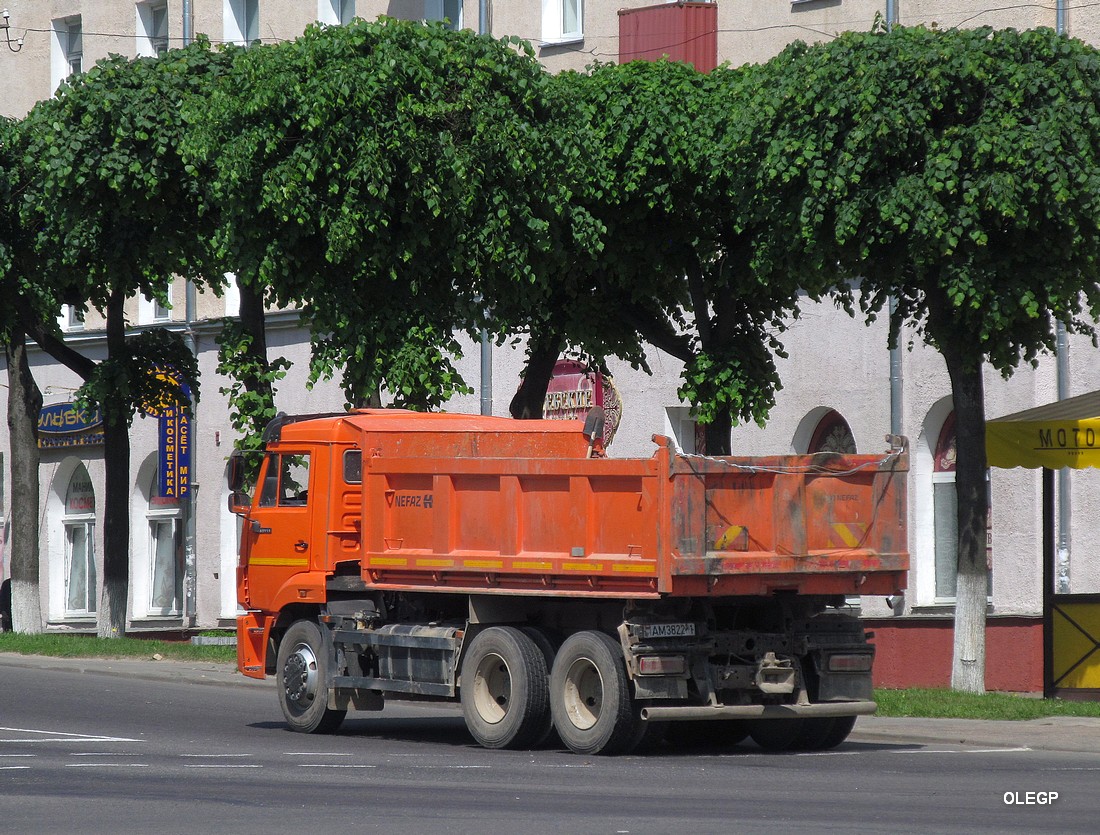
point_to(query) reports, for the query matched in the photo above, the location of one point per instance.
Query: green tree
(116, 213)
(682, 231)
(374, 175)
(958, 173)
(20, 297)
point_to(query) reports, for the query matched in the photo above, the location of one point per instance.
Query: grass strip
(87, 646)
(947, 704)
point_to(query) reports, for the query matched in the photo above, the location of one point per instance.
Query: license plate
(668, 630)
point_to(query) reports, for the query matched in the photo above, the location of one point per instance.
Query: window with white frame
(945, 509)
(71, 318)
(78, 524)
(67, 53)
(335, 12)
(448, 10)
(562, 21)
(152, 310)
(152, 29)
(685, 431)
(241, 21)
(165, 553)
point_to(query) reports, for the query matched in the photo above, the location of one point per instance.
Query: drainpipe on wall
(895, 602)
(486, 344)
(188, 22)
(1065, 508)
(190, 569)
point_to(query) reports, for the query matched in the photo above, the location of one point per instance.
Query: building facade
(842, 388)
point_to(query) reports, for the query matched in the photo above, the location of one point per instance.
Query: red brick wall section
(917, 653)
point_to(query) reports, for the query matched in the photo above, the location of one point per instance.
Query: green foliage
(673, 186)
(251, 393)
(107, 180)
(379, 175)
(958, 171)
(143, 380)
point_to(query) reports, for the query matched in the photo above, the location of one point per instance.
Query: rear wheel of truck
(824, 733)
(712, 734)
(302, 675)
(775, 734)
(590, 696)
(504, 690)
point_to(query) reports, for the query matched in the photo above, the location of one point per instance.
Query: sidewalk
(196, 672)
(1053, 733)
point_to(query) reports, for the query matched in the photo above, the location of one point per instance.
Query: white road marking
(334, 765)
(18, 755)
(215, 756)
(64, 737)
(106, 765)
(14, 767)
(965, 751)
(224, 765)
(313, 754)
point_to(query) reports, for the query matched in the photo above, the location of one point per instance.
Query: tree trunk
(111, 620)
(254, 321)
(718, 434)
(971, 591)
(542, 354)
(24, 404)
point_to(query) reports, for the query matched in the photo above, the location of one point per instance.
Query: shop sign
(174, 433)
(573, 390)
(66, 425)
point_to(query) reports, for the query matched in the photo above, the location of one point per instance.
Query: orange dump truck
(388, 554)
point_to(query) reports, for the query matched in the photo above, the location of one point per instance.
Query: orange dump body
(483, 505)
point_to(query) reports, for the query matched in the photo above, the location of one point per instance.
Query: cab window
(286, 481)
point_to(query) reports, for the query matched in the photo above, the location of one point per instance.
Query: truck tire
(714, 734)
(549, 647)
(302, 675)
(504, 691)
(775, 734)
(825, 733)
(590, 696)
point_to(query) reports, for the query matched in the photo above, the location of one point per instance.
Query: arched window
(165, 553)
(833, 435)
(78, 523)
(945, 504)
(946, 514)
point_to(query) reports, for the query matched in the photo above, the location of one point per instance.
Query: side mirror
(239, 502)
(235, 471)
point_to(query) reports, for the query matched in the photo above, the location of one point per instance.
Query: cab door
(277, 540)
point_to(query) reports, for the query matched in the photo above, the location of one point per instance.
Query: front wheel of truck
(302, 676)
(590, 696)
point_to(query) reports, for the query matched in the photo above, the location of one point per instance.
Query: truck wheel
(775, 734)
(302, 674)
(548, 647)
(823, 734)
(590, 696)
(504, 689)
(713, 733)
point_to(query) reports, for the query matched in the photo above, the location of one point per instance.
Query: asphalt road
(89, 752)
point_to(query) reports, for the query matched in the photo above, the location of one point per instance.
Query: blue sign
(63, 424)
(174, 430)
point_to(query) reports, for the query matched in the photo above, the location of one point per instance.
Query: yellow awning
(1061, 434)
